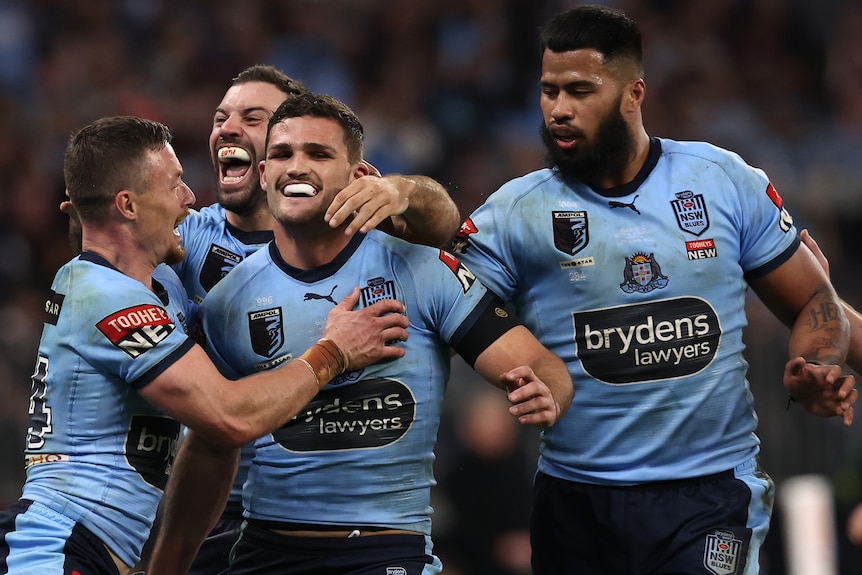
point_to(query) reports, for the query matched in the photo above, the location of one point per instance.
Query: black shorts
(214, 555)
(40, 540)
(263, 552)
(711, 525)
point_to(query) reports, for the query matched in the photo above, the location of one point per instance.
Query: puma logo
(615, 204)
(310, 296)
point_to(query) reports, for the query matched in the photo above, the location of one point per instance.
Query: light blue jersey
(641, 291)
(96, 452)
(213, 248)
(361, 452)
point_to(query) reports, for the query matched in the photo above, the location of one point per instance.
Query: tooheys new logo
(647, 342)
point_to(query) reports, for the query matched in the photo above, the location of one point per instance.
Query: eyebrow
(246, 111)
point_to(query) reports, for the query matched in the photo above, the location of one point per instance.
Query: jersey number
(40, 413)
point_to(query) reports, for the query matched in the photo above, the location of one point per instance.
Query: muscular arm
(415, 208)
(799, 293)
(854, 352)
(195, 496)
(539, 384)
(193, 391)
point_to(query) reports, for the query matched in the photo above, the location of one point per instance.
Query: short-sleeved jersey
(641, 291)
(96, 451)
(361, 452)
(213, 248)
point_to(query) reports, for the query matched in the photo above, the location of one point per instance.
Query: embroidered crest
(378, 289)
(642, 274)
(722, 553)
(690, 211)
(571, 231)
(266, 329)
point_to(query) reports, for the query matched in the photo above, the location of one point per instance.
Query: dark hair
(606, 30)
(270, 75)
(108, 156)
(323, 106)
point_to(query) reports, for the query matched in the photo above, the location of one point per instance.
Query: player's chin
(175, 255)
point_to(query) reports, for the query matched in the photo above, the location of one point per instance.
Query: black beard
(593, 162)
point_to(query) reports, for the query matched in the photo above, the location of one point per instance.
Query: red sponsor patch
(464, 275)
(137, 329)
(774, 196)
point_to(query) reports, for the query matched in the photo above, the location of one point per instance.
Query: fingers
(365, 203)
(350, 301)
(812, 245)
(532, 401)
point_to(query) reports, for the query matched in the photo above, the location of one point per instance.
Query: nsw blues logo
(377, 289)
(266, 329)
(642, 274)
(723, 553)
(690, 211)
(571, 232)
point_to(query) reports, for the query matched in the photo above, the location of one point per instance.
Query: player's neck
(127, 256)
(309, 248)
(259, 220)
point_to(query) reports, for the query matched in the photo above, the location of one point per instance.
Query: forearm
(196, 494)
(854, 351)
(432, 217)
(821, 331)
(554, 372)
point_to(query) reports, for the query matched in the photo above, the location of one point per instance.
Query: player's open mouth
(234, 164)
(298, 190)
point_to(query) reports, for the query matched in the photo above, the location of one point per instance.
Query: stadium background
(446, 88)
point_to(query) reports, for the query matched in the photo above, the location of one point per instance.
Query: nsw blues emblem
(722, 554)
(690, 211)
(266, 329)
(377, 289)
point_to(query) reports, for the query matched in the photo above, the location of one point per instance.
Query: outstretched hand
(531, 399)
(821, 389)
(365, 335)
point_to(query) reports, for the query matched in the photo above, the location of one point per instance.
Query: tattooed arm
(854, 352)
(799, 293)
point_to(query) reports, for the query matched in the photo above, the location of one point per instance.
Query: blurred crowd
(446, 88)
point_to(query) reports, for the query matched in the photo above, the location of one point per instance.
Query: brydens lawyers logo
(137, 329)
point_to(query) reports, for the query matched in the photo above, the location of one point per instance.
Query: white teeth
(298, 190)
(233, 153)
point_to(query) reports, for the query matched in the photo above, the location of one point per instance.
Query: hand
(532, 401)
(821, 389)
(815, 249)
(368, 200)
(363, 335)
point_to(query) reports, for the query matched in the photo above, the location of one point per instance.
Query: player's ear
(124, 201)
(261, 167)
(363, 168)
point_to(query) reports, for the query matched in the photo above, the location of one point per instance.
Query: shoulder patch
(137, 329)
(464, 275)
